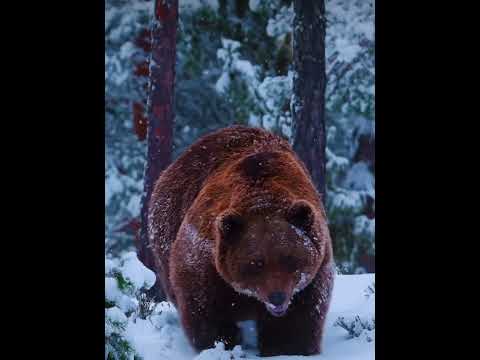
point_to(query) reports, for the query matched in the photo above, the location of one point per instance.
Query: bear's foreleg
(300, 330)
(206, 323)
(203, 307)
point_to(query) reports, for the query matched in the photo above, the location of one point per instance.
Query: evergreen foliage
(234, 67)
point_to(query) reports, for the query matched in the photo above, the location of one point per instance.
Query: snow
(113, 185)
(223, 83)
(281, 24)
(246, 68)
(134, 204)
(254, 4)
(335, 161)
(127, 50)
(229, 55)
(116, 315)
(359, 177)
(345, 199)
(228, 46)
(135, 272)
(275, 88)
(193, 5)
(364, 225)
(219, 353)
(349, 23)
(114, 295)
(162, 337)
(253, 120)
(110, 264)
(114, 319)
(243, 291)
(300, 233)
(301, 284)
(347, 50)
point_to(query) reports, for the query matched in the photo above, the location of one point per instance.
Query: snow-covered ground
(161, 337)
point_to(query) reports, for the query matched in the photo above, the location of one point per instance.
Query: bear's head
(270, 256)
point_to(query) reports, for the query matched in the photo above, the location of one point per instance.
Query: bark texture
(308, 106)
(161, 115)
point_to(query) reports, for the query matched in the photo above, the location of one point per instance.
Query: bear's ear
(230, 226)
(301, 215)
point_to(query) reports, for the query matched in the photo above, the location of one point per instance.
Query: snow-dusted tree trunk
(308, 110)
(140, 121)
(161, 113)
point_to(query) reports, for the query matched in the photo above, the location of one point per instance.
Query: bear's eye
(254, 267)
(289, 263)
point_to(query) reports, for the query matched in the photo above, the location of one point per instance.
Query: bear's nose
(277, 298)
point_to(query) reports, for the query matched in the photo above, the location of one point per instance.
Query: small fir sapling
(126, 280)
(359, 326)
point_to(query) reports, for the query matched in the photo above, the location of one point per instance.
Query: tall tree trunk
(241, 7)
(161, 115)
(309, 138)
(143, 42)
(222, 8)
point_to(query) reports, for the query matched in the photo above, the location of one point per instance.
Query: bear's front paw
(230, 335)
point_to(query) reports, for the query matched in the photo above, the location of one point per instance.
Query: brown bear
(238, 232)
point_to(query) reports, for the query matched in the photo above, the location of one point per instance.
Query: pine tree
(126, 280)
(262, 41)
(161, 113)
(124, 22)
(308, 104)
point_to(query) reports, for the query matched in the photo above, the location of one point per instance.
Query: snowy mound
(349, 332)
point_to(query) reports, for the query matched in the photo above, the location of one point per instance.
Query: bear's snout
(277, 298)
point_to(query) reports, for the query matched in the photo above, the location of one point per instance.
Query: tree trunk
(143, 41)
(241, 7)
(308, 110)
(161, 115)
(222, 8)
